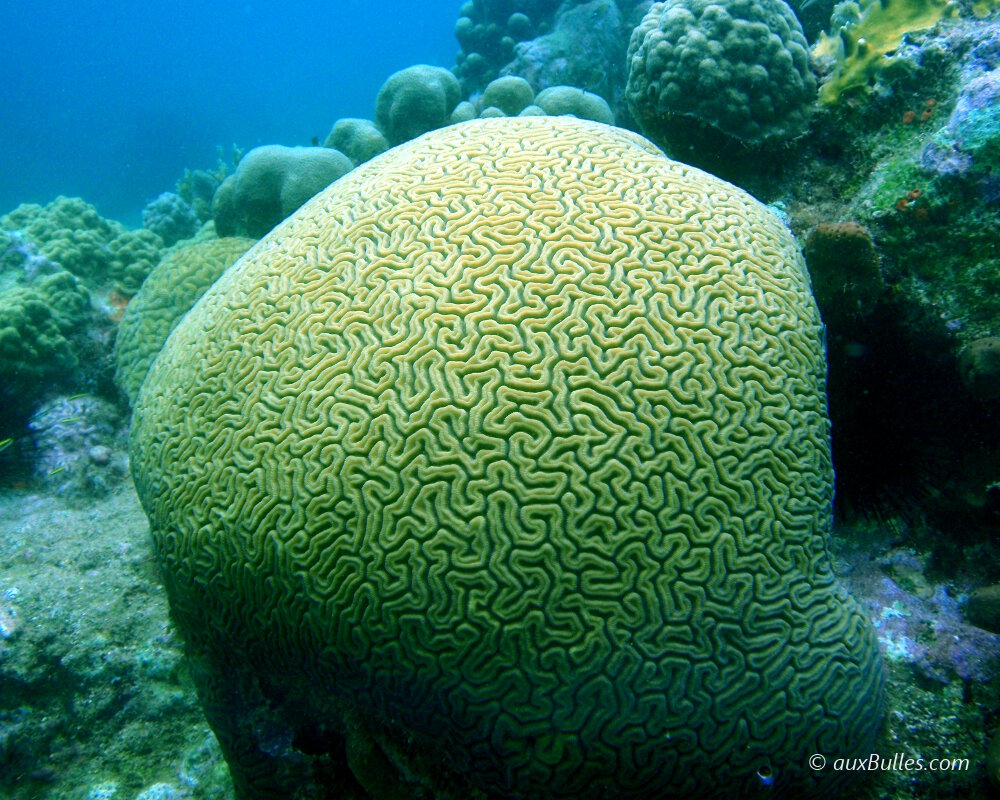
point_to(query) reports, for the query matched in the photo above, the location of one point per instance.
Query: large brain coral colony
(502, 469)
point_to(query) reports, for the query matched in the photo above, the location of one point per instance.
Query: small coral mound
(738, 66)
(183, 276)
(511, 94)
(270, 183)
(358, 139)
(560, 100)
(504, 466)
(416, 100)
(170, 218)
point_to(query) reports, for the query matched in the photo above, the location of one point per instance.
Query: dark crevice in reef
(909, 443)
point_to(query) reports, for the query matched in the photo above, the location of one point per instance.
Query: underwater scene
(500, 400)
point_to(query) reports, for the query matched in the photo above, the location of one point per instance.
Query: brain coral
(505, 461)
(166, 296)
(739, 66)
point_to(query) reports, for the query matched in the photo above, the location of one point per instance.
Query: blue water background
(111, 101)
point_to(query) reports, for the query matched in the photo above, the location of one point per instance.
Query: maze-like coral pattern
(516, 436)
(175, 284)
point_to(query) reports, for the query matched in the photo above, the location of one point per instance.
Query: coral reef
(64, 274)
(485, 464)
(133, 254)
(943, 672)
(932, 197)
(171, 289)
(488, 31)
(895, 198)
(586, 48)
(78, 447)
(197, 188)
(739, 67)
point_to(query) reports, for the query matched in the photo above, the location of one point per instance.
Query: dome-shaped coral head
(502, 467)
(740, 67)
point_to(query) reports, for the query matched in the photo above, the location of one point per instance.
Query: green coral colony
(502, 468)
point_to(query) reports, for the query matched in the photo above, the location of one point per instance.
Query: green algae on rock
(508, 454)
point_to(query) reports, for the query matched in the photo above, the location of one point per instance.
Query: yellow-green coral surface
(512, 444)
(174, 285)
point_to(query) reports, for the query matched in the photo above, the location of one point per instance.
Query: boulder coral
(358, 139)
(270, 183)
(416, 100)
(511, 94)
(503, 468)
(184, 274)
(740, 67)
(560, 100)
